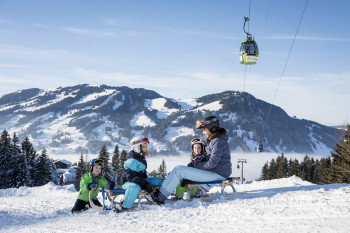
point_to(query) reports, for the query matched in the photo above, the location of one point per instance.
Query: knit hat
(136, 142)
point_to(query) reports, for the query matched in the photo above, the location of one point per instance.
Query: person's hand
(111, 185)
(92, 186)
(148, 187)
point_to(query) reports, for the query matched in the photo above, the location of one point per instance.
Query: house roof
(63, 161)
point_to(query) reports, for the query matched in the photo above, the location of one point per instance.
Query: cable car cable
(284, 68)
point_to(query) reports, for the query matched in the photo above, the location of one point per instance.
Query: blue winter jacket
(134, 168)
(218, 157)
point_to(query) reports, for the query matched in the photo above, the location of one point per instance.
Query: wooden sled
(206, 198)
(112, 194)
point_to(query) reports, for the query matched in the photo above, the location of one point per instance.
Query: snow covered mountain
(283, 205)
(84, 117)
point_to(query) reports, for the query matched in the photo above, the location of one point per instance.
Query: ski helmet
(99, 162)
(136, 142)
(211, 123)
(198, 141)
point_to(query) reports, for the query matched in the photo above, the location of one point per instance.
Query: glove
(190, 164)
(111, 185)
(92, 186)
(146, 185)
(185, 182)
(149, 187)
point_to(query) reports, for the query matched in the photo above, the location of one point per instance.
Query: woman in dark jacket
(215, 166)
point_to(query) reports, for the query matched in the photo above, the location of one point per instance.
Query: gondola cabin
(249, 52)
(260, 148)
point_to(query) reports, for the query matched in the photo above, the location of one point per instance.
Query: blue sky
(183, 49)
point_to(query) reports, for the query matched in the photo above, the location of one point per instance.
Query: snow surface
(283, 205)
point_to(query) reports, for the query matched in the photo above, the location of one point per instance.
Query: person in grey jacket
(215, 166)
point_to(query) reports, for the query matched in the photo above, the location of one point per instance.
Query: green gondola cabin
(249, 52)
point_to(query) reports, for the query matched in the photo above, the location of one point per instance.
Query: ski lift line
(284, 68)
(250, 3)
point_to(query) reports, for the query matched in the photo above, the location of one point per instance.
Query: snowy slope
(86, 117)
(284, 205)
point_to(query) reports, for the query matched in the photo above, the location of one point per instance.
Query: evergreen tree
(325, 170)
(45, 170)
(30, 154)
(341, 159)
(304, 172)
(6, 160)
(104, 155)
(294, 168)
(116, 165)
(153, 174)
(272, 169)
(316, 176)
(81, 168)
(265, 172)
(281, 167)
(21, 174)
(162, 173)
(123, 156)
(312, 168)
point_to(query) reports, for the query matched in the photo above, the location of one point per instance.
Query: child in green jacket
(91, 180)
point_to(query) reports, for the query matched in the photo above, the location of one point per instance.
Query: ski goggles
(142, 141)
(194, 140)
(197, 141)
(202, 124)
(99, 162)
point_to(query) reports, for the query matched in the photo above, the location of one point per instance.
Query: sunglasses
(99, 162)
(143, 140)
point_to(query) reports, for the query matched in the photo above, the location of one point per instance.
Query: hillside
(283, 205)
(84, 117)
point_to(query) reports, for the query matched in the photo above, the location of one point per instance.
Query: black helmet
(211, 123)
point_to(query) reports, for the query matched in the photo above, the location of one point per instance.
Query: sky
(184, 49)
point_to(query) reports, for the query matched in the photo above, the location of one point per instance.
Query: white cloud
(89, 32)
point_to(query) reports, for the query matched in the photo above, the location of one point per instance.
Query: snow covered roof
(63, 161)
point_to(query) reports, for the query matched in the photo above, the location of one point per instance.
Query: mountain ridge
(84, 117)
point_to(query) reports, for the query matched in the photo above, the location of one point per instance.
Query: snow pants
(81, 205)
(183, 172)
(133, 189)
(180, 191)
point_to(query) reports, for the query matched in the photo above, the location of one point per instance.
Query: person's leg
(184, 172)
(154, 181)
(97, 202)
(179, 191)
(132, 191)
(79, 206)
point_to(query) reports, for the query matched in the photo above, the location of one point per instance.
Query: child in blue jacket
(134, 175)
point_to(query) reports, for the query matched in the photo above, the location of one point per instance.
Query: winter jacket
(198, 158)
(218, 158)
(135, 168)
(86, 179)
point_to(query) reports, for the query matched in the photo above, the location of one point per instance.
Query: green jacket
(86, 179)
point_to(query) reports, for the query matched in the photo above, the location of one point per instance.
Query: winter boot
(156, 198)
(118, 208)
